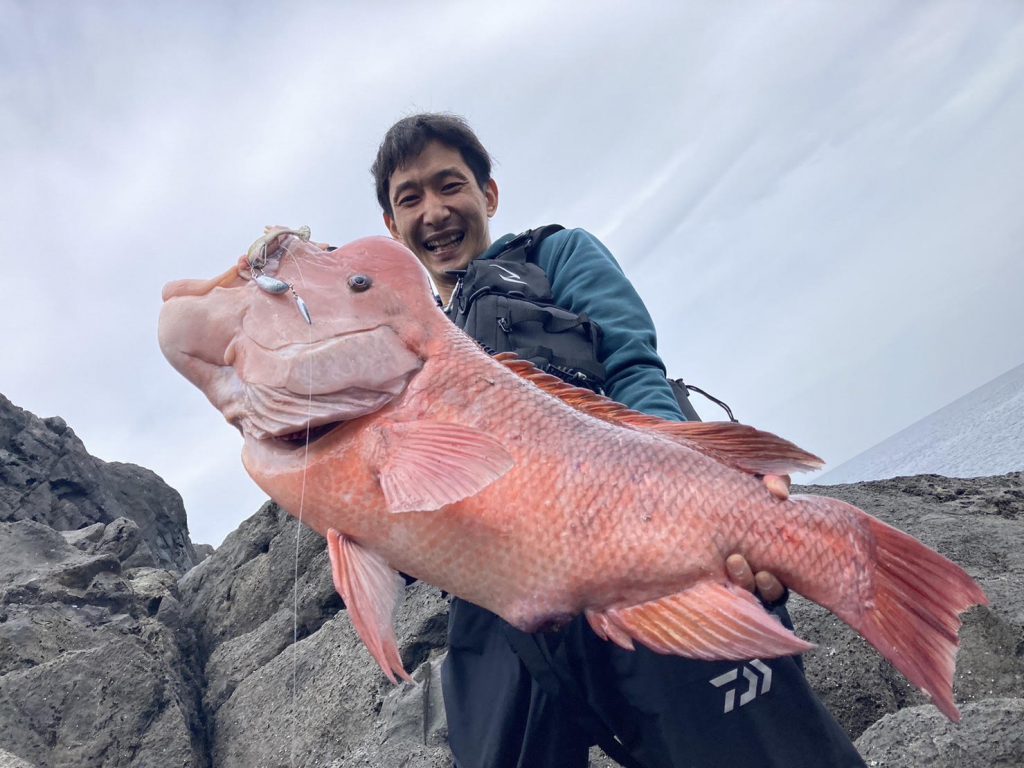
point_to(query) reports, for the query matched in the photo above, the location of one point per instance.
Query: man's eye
(454, 186)
(406, 200)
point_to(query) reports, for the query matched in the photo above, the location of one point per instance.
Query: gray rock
(317, 701)
(203, 551)
(247, 612)
(86, 538)
(47, 476)
(990, 735)
(413, 713)
(113, 654)
(90, 673)
(979, 524)
(7, 760)
(334, 704)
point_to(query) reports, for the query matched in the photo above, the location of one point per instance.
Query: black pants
(668, 712)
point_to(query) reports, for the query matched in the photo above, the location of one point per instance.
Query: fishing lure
(257, 257)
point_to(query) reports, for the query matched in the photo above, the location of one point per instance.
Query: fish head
(283, 381)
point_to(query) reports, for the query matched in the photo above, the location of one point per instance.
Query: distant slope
(978, 435)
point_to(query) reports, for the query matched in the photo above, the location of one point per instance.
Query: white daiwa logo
(509, 276)
(754, 672)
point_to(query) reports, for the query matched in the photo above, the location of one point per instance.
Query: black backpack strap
(538, 658)
(555, 324)
(522, 247)
(682, 392)
(683, 399)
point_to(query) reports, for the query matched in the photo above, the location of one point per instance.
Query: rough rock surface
(238, 596)
(323, 698)
(7, 760)
(97, 667)
(47, 476)
(248, 658)
(990, 735)
(978, 523)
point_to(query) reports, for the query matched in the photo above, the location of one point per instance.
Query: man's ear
(389, 222)
(491, 195)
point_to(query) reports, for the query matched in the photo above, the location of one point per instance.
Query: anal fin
(709, 621)
(370, 589)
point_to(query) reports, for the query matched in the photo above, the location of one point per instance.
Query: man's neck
(445, 290)
(446, 286)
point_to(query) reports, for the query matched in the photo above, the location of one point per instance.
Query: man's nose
(436, 209)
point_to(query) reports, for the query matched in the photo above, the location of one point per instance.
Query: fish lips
(371, 360)
(304, 391)
(282, 420)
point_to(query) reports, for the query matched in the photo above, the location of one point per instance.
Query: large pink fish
(526, 496)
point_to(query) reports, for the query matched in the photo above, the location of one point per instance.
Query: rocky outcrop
(46, 475)
(7, 760)
(268, 583)
(115, 651)
(97, 665)
(990, 735)
(979, 523)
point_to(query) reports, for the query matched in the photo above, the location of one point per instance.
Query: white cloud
(818, 202)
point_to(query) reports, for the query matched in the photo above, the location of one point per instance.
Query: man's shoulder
(569, 236)
(565, 249)
(551, 241)
(568, 243)
(576, 247)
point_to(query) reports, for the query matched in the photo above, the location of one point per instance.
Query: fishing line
(298, 531)
(257, 258)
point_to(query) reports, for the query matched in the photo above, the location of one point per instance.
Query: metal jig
(257, 258)
(302, 307)
(271, 284)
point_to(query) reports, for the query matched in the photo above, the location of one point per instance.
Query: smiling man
(558, 298)
(440, 212)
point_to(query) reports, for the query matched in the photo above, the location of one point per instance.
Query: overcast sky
(820, 202)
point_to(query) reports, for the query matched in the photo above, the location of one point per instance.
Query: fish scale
(515, 491)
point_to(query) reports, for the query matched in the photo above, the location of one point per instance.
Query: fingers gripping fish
(519, 493)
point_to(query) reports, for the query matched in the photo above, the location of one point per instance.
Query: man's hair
(407, 138)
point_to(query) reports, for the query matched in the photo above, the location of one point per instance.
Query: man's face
(440, 213)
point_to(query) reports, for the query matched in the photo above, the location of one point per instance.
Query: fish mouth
(311, 392)
(306, 436)
(282, 421)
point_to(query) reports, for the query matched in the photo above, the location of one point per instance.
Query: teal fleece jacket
(585, 278)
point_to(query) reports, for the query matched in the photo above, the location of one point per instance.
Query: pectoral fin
(431, 464)
(707, 621)
(370, 589)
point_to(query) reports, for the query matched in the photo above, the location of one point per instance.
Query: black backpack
(505, 303)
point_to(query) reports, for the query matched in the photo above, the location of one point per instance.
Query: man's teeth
(444, 242)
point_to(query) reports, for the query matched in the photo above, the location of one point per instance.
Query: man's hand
(777, 485)
(764, 584)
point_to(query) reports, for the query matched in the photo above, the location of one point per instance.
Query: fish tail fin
(915, 617)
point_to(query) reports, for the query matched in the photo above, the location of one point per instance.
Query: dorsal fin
(736, 445)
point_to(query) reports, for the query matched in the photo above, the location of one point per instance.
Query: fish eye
(359, 282)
